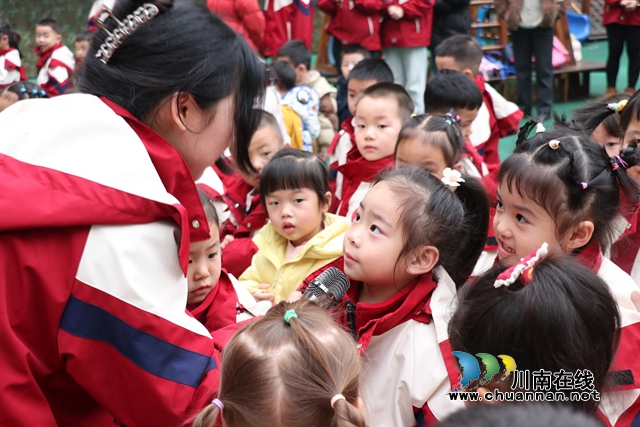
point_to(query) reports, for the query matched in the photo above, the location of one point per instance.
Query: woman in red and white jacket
(405, 34)
(621, 18)
(93, 324)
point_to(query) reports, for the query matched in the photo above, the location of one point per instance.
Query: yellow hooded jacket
(269, 264)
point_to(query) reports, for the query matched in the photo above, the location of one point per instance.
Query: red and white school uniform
(496, 119)
(405, 342)
(93, 282)
(622, 405)
(55, 67)
(227, 303)
(343, 142)
(11, 69)
(625, 252)
(286, 20)
(357, 174)
(354, 21)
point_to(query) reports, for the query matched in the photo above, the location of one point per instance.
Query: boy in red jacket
(381, 111)
(405, 34)
(497, 117)
(55, 61)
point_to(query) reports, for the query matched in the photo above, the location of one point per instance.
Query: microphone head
(335, 282)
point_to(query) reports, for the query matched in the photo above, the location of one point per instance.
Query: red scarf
(43, 57)
(219, 308)
(358, 170)
(590, 256)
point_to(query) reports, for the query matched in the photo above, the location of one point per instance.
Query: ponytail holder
(290, 314)
(540, 128)
(617, 161)
(618, 106)
(524, 268)
(451, 178)
(414, 115)
(584, 185)
(218, 403)
(335, 398)
(554, 144)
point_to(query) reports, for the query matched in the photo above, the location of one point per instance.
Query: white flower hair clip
(524, 268)
(451, 178)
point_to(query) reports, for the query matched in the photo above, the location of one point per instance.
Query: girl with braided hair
(560, 187)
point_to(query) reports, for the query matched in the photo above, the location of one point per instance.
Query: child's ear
(468, 72)
(326, 203)
(580, 235)
(58, 38)
(458, 166)
(423, 260)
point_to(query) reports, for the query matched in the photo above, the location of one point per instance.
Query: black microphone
(328, 288)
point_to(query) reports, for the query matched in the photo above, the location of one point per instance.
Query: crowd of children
(396, 181)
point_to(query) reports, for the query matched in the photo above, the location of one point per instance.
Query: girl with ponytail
(294, 367)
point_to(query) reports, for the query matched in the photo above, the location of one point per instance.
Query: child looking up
(294, 367)
(560, 187)
(301, 236)
(299, 57)
(215, 298)
(11, 69)
(411, 243)
(557, 302)
(432, 143)
(364, 74)
(55, 60)
(302, 100)
(381, 110)
(246, 215)
(497, 117)
(351, 55)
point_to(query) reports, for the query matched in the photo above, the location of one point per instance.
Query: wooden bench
(572, 80)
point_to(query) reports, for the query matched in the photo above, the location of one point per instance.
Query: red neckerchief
(590, 256)
(5, 51)
(358, 170)
(219, 308)
(177, 180)
(410, 303)
(43, 57)
(346, 126)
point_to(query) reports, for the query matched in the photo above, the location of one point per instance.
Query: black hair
(455, 222)
(51, 23)
(268, 120)
(290, 169)
(355, 48)
(210, 211)
(14, 38)
(84, 36)
(390, 91)
(573, 183)
(530, 414)
(441, 131)
(27, 90)
(179, 52)
(564, 318)
(464, 49)
(450, 89)
(632, 110)
(589, 117)
(297, 52)
(283, 74)
(372, 68)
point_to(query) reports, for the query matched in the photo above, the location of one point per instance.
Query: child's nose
(202, 272)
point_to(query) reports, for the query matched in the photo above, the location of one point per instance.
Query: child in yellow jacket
(301, 236)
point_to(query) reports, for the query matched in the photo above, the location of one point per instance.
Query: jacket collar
(43, 56)
(591, 256)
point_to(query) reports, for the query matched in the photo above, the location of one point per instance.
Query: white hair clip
(113, 41)
(540, 128)
(452, 178)
(508, 277)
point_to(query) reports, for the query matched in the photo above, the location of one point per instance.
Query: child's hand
(263, 296)
(295, 296)
(395, 12)
(227, 239)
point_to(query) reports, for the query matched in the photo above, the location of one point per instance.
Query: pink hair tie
(622, 162)
(335, 398)
(584, 185)
(218, 403)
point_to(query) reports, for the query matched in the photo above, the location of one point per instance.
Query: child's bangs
(290, 173)
(538, 183)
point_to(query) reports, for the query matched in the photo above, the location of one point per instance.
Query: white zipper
(417, 25)
(370, 25)
(289, 31)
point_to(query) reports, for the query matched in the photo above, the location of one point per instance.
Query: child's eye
(360, 126)
(499, 205)
(298, 200)
(521, 219)
(356, 218)
(382, 126)
(375, 229)
(213, 255)
(612, 144)
(273, 203)
(190, 261)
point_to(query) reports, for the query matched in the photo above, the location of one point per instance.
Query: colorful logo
(470, 367)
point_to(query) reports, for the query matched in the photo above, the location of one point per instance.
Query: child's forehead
(351, 57)
(45, 28)
(383, 103)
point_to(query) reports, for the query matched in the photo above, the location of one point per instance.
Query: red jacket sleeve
(416, 8)
(236, 256)
(252, 19)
